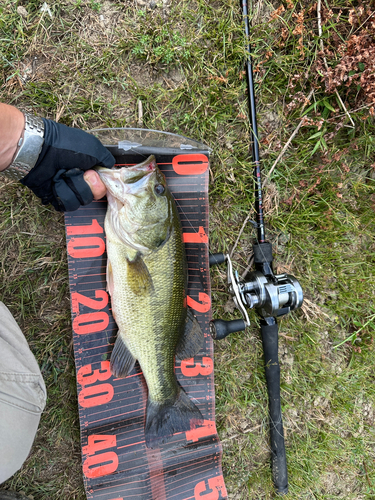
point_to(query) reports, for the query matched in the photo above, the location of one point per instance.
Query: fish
(147, 281)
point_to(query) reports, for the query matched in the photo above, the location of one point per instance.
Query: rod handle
(219, 328)
(270, 332)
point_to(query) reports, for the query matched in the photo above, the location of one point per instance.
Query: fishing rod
(272, 295)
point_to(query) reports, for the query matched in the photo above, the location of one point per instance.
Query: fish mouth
(149, 165)
(129, 180)
(134, 173)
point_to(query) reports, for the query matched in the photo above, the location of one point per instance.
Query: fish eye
(159, 189)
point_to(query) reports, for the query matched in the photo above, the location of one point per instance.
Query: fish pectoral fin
(109, 278)
(122, 360)
(192, 339)
(139, 277)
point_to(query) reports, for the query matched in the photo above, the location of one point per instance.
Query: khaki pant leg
(22, 396)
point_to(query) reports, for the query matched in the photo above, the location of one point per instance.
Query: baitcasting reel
(270, 294)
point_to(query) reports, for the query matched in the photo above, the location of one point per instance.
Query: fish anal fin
(165, 419)
(192, 338)
(122, 361)
(139, 278)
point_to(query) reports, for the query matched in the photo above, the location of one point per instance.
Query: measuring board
(116, 463)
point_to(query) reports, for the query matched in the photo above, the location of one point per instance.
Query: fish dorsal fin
(139, 277)
(122, 360)
(192, 339)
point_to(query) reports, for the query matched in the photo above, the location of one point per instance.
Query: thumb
(97, 187)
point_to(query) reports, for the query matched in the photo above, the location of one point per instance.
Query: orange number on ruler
(100, 465)
(210, 489)
(87, 376)
(203, 305)
(89, 246)
(191, 368)
(208, 429)
(90, 322)
(101, 300)
(95, 395)
(199, 237)
(190, 164)
(98, 442)
(93, 228)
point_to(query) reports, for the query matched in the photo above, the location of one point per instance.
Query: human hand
(64, 164)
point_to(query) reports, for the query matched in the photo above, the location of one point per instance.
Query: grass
(88, 66)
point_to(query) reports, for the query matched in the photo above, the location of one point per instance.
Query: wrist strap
(30, 149)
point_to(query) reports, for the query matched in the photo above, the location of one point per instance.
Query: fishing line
(188, 220)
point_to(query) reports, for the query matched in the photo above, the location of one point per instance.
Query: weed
(95, 5)
(163, 47)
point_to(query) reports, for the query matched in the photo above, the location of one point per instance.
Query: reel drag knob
(219, 328)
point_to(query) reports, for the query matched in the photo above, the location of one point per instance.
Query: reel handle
(219, 328)
(270, 332)
(216, 258)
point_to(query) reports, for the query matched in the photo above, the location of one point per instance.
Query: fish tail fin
(165, 419)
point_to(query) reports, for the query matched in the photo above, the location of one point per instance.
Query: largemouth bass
(147, 281)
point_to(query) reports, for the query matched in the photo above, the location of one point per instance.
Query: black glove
(57, 176)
